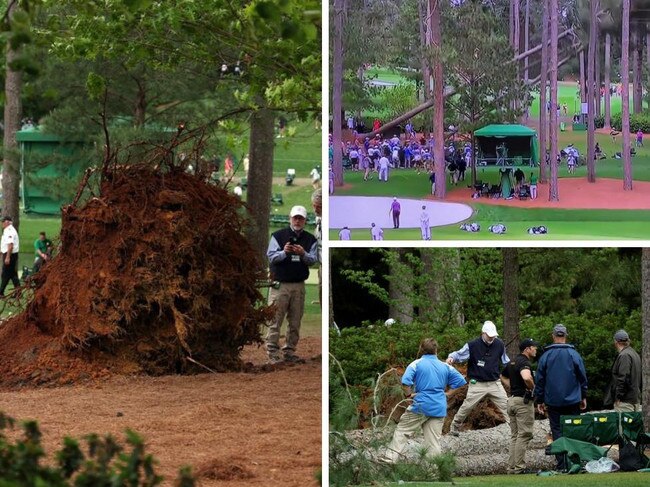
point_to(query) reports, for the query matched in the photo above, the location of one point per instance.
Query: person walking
(291, 252)
(518, 375)
(624, 390)
(425, 227)
(376, 233)
(482, 355)
(395, 209)
(639, 138)
(345, 234)
(9, 247)
(560, 383)
(425, 381)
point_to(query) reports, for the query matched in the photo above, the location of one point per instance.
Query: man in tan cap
(483, 356)
(291, 252)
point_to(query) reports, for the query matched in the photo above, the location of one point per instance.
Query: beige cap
(490, 329)
(298, 211)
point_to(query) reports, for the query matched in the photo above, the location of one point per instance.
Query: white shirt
(383, 163)
(377, 233)
(9, 236)
(315, 175)
(345, 234)
(424, 218)
(238, 191)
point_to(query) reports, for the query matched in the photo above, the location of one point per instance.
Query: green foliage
(637, 121)
(104, 464)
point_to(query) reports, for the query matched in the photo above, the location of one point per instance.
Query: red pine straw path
(575, 193)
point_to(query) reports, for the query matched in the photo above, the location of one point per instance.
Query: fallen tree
(153, 276)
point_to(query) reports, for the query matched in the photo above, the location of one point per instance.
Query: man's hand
(541, 409)
(288, 248)
(583, 404)
(297, 249)
(7, 260)
(449, 360)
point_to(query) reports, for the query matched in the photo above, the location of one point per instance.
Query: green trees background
(593, 292)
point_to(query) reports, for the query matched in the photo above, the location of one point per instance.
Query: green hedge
(637, 121)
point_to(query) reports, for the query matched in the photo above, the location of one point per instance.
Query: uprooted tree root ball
(152, 272)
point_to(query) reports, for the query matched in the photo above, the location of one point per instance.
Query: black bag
(629, 459)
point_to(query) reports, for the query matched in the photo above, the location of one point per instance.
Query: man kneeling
(425, 381)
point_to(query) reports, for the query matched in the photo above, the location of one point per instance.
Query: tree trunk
(400, 290)
(260, 180)
(337, 92)
(598, 75)
(637, 69)
(515, 39)
(424, 36)
(543, 114)
(583, 83)
(140, 111)
(438, 100)
(526, 38)
(511, 300)
(437, 264)
(12, 116)
(591, 83)
(608, 70)
(625, 94)
(645, 352)
(553, 186)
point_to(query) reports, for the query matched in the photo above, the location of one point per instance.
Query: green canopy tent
(507, 145)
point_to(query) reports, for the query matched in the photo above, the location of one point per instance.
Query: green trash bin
(577, 427)
(562, 127)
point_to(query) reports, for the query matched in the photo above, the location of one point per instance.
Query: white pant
(409, 424)
(426, 231)
(383, 174)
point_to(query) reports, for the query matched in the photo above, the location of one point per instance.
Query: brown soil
(575, 193)
(151, 273)
(235, 429)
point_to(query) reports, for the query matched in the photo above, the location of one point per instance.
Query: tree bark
(625, 94)
(583, 82)
(511, 300)
(140, 110)
(337, 92)
(645, 352)
(260, 180)
(540, 46)
(608, 70)
(543, 114)
(424, 36)
(553, 186)
(637, 71)
(516, 39)
(598, 75)
(12, 116)
(400, 290)
(591, 83)
(526, 38)
(438, 100)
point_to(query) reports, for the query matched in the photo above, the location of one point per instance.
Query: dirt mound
(484, 415)
(151, 272)
(222, 470)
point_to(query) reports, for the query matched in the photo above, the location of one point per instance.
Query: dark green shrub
(105, 463)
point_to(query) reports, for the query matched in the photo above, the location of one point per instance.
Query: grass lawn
(619, 479)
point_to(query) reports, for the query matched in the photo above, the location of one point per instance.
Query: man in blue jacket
(425, 381)
(560, 383)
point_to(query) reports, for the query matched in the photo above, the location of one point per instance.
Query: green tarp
(577, 452)
(504, 131)
(602, 428)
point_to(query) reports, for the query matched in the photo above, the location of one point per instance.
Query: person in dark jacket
(624, 391)
(484, 355)
(560, 383)
(291, 252)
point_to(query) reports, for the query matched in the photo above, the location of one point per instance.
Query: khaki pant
(475, 392)
(626, 407)
(409, 424)
(522, 420)
(289, 300)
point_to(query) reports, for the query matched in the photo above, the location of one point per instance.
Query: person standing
(533, 186)
(424, 224)
(345, 234)
(561, 384)
(639, 138)
(518, 376)
(624, 390)
(482, 355)
(432, 180)
(395, 209)
(291, 252)
(9, 246)
(425, 381)
(383, 168)
(376, 233)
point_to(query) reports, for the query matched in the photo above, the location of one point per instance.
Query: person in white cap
(291, 252)
(482, 356)
(424, 224)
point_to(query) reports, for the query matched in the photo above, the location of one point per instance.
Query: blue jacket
(430, 377)
(561, 379)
